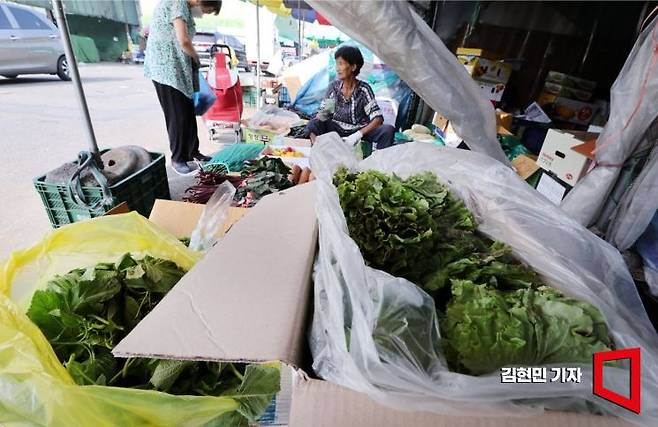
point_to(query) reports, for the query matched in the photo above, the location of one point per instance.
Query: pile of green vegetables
(86, 312)
(265, 176)
(493, 310)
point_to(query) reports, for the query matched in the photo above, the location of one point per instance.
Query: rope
(86, 160)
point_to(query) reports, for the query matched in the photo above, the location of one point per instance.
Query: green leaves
(486, 329)
(496, 310)
(266, 176)
(398, 224)
(86, 312)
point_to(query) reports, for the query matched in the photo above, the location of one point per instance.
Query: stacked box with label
(567, 98)
(490, 75)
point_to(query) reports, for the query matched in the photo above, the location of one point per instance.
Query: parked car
(29, 43)
(202, 42)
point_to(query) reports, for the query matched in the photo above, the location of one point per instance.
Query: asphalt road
(41, 128)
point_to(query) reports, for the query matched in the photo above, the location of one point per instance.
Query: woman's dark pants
(181, 122)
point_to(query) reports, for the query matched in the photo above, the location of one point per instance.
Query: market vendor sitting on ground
(349, 107)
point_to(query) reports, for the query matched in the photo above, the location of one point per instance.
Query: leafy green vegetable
(494, 310)
(266, 176)
(86, 312)
(398, 224)
(486, 329)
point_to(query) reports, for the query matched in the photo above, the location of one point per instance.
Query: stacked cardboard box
(567, 98)
(490, 74)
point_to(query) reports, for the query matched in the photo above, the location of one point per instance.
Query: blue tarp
(384, 81)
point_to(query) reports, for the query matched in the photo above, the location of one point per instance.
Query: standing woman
(172, 63)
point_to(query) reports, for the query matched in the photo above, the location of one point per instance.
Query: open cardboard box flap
(247, 299)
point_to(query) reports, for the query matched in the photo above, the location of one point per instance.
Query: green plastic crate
(250, 97)
(139, 191)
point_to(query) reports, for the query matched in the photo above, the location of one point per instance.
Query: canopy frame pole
(258, 68)
(88, 128)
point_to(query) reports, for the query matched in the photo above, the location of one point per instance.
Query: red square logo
(633, 402)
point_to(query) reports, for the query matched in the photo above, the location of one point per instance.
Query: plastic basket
(250, 97)
(139, 191)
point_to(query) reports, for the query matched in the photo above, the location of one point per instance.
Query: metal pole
(588, 49)
(60, 16)
(299, 30)
(258, 70)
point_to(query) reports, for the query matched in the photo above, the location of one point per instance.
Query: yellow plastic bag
(35, 388)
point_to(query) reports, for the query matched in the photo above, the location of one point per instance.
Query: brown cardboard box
(180, 218)
(322, 404)
(473, 51)
(525, 166)
(248, 300)
(567, 92)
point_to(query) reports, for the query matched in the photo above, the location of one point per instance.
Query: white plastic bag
(633, 108)
(397, 35)
(212, 218)
(274, 117)
(401, 367)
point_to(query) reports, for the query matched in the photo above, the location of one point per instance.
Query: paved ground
(40, 128)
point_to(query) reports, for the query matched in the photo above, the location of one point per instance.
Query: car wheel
(63, 69)
(9, 76)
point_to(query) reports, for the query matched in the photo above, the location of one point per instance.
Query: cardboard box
(568, 110)
(262, 266)
(567, 92)
(473, 51)
(504, 122)
(557, 154)
(180, 218)
(224, 309)
(485, 69)
(492, 91)
(525, 166)
(570, 81)
(321, 404)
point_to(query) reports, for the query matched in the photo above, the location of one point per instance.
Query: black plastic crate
(139, 191)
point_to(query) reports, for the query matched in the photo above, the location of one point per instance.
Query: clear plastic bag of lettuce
(566, 293)
(37, 389)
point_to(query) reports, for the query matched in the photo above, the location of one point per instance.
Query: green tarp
(109, 37)
(85, 49)
(125, 11)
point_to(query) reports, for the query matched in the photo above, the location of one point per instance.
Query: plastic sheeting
(647, 246)
(355, 306)
(396, 34)
(638, 204)
(632, 110)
